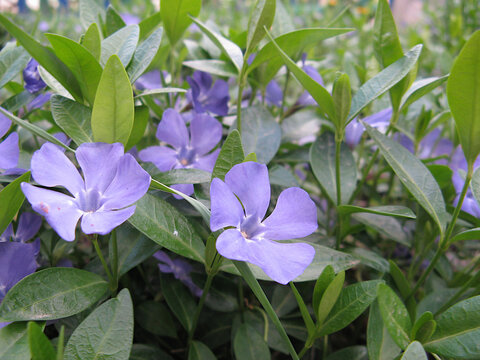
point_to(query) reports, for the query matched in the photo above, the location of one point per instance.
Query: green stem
(302, 353)
(325, 347)
(303, 310)
(206, 289)
(94, 239)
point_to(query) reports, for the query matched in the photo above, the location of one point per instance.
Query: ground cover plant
(239, 180)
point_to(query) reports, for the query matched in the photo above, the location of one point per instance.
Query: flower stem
(94, 239)
(198, 310)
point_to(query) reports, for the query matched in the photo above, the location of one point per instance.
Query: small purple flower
(208, 97)
(306, 99)
(28, 226)
(189, 148)
(354, 130)
(130, 19)
(9, 151)
(180, 268)
(294, 216)
(113, 182)
(150, 80)
(31, 77)
(273, 93)
(39, 101)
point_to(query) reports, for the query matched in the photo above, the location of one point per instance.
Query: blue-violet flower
(31, 77)
(207, 96)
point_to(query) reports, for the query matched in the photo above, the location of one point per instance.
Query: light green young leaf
(414, 351)
(122, 43)
(113, 21)
(14, 342)
(144, 54)
(261, 16)
(380, 344)
(11, 200)
(142, 114)
(175, 16)
(92, 41)
(329, 298)
(40, 346)
(231, 154)
(215, 67)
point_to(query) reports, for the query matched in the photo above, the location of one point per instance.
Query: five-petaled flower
(250, 239)
(191, 147)
(113, 182)
(207, 96)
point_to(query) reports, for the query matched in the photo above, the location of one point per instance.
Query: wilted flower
(294, 216)
(190, 147)
(113, 181)
(354, 130)
(31, 77)
(208, 97)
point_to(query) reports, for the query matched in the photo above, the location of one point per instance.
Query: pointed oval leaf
(92, 41)
(14, 342)
(12, 61)
(420, 88)
(113, 21)
(184, 176)
(215, 67)
(91, 12)
(261, 16)
(472, 234)
(414, 351)
(380, 344)
(249, 344)
(144, 54)
(11, 200)
(122, 43)
(231, 154)
(40, 346)
(175, 16)
(386, 210)
(179, 300)
(389, 227)
(200, 351)
(329, 297)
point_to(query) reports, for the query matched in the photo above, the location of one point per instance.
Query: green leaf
(463, 93)
(12, 61)
(403, 285)
(458, 330)
(414, 351)
(11, 200)
(322, 161)
(380, 344)
(14, 342)
(140, 121)
(249, 344)
(325, 278)
(179, 300)
(80, 61)
(383, 81)
(329, 297)
(113, 109)
(167, 90)
(155, 318)
(107, 333)
(162, 223)
(356, 352)
(200, 351)
(261, 134)
(113, 21)
(215, 67)
(227, 47)
(231, 154)
(148, 24)
(261, 16)
(183, 176)
(342, 99)
(144, 54)
(90, 12)
(386, 210)
(351, 303)
(148, 352)
(471, 234)
(122, 43)
(175, 16)
(370, 258)
(424, 318)
(40, 346)
(395, 316)
(45, 58)
(420, 88)
(52, 293)
(414, 176)
(53, 84)
(73, 118)
(475, 184)
(60, 343)
(92, 41)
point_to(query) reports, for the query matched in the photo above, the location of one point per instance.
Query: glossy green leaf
(329, 297)
(121, 43)
(11, 200)
(175, 16)
(179, 300)
(249, 344)
(386, 210)
(370, 258)
(325, 278)
(148, 24)
(380, 344)
(395, 316)
(471, 234)
(230, 154)
(52, 293)
(113, 109)
(414, 351)
(14, 342)
(261, 16)
(80, 61)
(40, 346)
(107, 333)
(144, 54)
(167, 90)
(424, 318)
(162, 223)
(322, 161)
(91, 12)
(155, 318)
(342, 100)
(140, 121)
(356, 352)
(426, 331)
(352, 302)
(215, 67)
(92, 41)
(113, 21)
(200, 351)
(463, 93)
(183, 176)
(420, 88)
(403, 285)
(414, 176)
(12, 61)
(383, 81)
(53, 84)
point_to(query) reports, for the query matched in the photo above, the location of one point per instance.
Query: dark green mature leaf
(179, 300)
(463, 93)
(458, 330)
(261, 134)
(40, 346)
(414, 351)
(11, 200)
(73, 118)
(162, 223)
(261, 16)
(325, 278)
(80, 61)
(200, 351)
(18, 101)
(144, 54)
(175, 16)
(356, 352)
(322, 161)
(113, 109)
(183, 176)
(395, 316)
(107, 333)
(52, 293)
(414, 176)
(215, 67)
(113, 21)
(92, 41)
(140, 121)
(370, 258)
(380, 344)
(148, 352)
(386, 210)
(122, 43)
(351, 303)
(329, 297)
(471, 234)
(231, 154)
(420, 88)
(91, 12)
(389, 227)
(45, 58)
(249, 344)
(14, 342)
(155, 318)
(383, 81)
(12, 61)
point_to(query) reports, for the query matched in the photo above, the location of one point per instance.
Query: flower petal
(273, 93)
(163, 157)
(7, 234)
(281, 262)
(103, 222)
(51, 167)
(28, 226)
(130, 183)
(295, 216)
(207, 162)
(99, 163)
(205, 132)
(249, 181)
(226, 209)
(172, 129)
(217, 98)
(60, 210)
(5, 124)
(9, 152)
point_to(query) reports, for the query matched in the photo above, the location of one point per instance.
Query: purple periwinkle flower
(207, 96)
(150, 80)
(9, 151)
(180, 268)
(306, 99)
(189, 147)
(28, 226)
(241, 202)
(112, 182)
(31, 77)
(273, 93)
(130, 19)
(354, 130)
